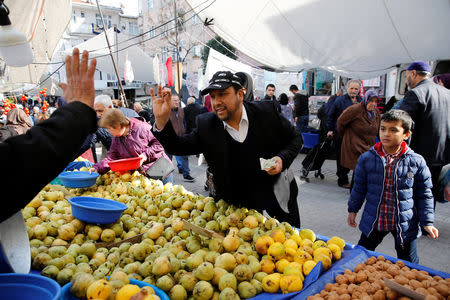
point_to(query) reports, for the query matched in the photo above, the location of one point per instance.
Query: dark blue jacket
(335, 109)
(101, 135)
(412, 186)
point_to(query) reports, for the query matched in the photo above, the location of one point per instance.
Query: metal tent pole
(122, 93)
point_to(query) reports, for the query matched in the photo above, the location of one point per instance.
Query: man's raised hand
(161, 106)
(80, 78)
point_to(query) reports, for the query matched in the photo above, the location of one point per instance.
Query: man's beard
(409, 84)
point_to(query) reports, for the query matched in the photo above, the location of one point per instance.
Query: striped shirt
(386, 216)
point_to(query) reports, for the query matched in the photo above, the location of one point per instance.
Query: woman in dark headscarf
(17, 122)
(443, 79)
(358, 126)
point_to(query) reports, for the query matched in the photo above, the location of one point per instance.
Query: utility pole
(176, 45)
(122, 93)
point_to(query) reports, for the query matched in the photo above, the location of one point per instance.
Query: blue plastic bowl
(96, 210)
(66, 295)
(78, 179)
(28, 286)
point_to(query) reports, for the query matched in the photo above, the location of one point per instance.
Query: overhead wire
(124, 48)
(142, 34)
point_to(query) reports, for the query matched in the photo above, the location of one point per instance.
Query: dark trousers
(302, 124)
(352, 182)
(182, 164)
(407, 251)
(437, 193)
(293, 217)
(342, 172)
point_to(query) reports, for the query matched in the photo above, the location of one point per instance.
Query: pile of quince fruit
(257, 254)
(289, 260)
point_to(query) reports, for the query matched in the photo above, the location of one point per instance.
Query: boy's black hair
(395, 115)
(293, 88)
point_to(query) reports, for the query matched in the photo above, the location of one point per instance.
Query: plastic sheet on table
(352, 258)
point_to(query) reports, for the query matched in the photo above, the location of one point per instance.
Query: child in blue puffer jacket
(396, 184)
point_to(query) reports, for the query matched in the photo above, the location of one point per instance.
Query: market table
(351, 256)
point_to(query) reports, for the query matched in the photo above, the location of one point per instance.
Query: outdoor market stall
(182, 244)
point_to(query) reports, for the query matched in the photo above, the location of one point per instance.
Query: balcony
(80, 28)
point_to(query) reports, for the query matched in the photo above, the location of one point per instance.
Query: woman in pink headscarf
(17, 122)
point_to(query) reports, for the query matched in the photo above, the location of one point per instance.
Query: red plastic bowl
(126, 164)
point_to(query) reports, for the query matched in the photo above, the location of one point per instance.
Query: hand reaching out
(161, 106)
(143, 158)
(80, 78)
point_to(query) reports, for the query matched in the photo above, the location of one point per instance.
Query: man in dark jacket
(429, 106)
(38, 156)
(301, 109)
(101, 135)
(233, 138)
(191, 111)
(142, 112)
(334, 110)
(270, 96)
(179, 125)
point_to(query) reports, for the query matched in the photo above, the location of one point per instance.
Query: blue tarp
(351, 256)
(354, 257)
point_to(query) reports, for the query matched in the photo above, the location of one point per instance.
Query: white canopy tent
(43, 22)
(352, 38)
(141, 63)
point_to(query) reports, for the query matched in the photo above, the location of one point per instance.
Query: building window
(74, 16)
(164, 53)
(110, 76)
(149, 4)
(82, 14)
(98, 20)
(165, 30)
(152, 34)
(197, 20)
(197, 51)
(108, 21)
(133, 28)
(140, 8)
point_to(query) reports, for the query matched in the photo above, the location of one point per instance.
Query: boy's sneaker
(180, 171)
(189, 178)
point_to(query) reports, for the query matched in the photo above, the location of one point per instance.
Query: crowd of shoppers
(233, 132)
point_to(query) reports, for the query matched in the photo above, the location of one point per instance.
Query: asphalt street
(323, 208)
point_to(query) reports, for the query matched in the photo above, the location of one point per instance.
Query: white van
(437, 67)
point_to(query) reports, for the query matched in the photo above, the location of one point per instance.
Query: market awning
(141, 63)
(353, 38)
(43, 22)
